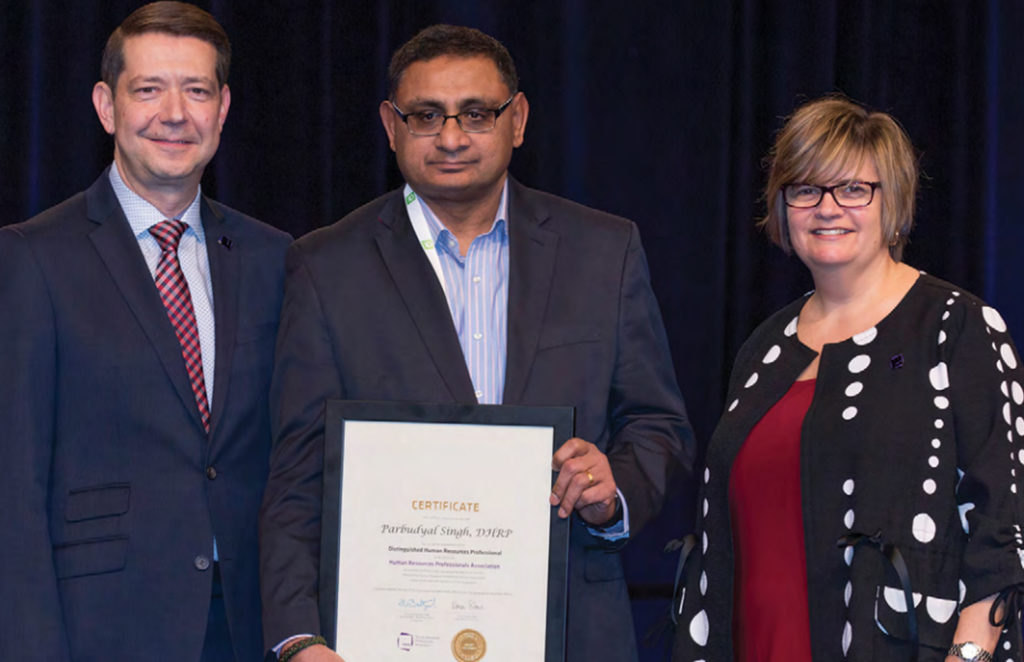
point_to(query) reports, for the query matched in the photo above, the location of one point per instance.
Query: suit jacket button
(211, 473)
(201, 562)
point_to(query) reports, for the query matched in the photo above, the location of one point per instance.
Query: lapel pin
(225, 241)
(896, 361)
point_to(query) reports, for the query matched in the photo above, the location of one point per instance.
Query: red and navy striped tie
(173, 288)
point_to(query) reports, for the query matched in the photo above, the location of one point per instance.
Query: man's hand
(585, 482)
(317, 653)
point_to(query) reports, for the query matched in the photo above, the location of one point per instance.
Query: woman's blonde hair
(826, 138)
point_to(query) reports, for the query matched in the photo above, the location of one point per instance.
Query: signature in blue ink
(417, 603)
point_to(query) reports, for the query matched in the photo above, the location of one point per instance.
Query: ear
(520, 113)
(103, 102)
(225, 102)
(389, 119)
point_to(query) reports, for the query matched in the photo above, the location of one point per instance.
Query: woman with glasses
(863, 492)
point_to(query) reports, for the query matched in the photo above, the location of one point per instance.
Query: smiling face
(166, 115)
(454, 166)
(828, 236)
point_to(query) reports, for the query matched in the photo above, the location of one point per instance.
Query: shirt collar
(142, 215)
(440, 234)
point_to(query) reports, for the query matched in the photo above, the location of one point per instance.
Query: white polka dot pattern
(940, 609)
(923, 527)
(897, 599)
(993, 319)
(859, 363)
(865, 337)
(939, 377)
(699, 628)
(1009, 360)
(791, 327)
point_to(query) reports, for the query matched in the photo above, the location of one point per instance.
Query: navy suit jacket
(113, 492)
(365, 318)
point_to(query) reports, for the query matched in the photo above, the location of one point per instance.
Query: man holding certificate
(466, 287)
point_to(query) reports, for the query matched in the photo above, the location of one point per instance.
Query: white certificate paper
(443, 541)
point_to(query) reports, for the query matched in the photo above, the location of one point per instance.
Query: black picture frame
(561, 420)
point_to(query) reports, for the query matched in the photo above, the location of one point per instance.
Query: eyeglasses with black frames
(471, 120)
(849, 194)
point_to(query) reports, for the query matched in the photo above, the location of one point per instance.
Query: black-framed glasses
(846, 194)
(471, 120)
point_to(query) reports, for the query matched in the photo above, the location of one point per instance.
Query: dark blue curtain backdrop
(661, 112)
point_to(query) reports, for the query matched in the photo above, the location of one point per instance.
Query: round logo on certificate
(469, 646)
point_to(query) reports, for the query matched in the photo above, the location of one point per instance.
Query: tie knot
(168, 234)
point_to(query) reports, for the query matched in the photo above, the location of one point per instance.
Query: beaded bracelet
(294, 649)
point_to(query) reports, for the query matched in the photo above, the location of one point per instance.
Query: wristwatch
(971, 652)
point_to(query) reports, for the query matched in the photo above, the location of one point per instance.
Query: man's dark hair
(179, 19)
(456, 40)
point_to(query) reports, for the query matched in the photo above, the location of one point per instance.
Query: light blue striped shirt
(477, 290)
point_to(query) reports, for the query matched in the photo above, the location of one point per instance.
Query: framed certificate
(438, 541)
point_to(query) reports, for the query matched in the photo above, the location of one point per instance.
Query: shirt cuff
(277, 649)
(619, 531)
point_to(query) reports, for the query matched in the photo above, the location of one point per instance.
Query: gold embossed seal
(469, 646)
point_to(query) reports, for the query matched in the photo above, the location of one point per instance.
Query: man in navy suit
(465, 286)
(137, 331)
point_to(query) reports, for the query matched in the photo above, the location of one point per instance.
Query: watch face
(969, 650)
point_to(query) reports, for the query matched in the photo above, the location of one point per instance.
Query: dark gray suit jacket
(365, 318)
(113, 492)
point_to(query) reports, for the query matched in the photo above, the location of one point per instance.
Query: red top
(770, 607)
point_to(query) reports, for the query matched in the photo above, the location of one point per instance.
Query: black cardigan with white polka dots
(914, 442)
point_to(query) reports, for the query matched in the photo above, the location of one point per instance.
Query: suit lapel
(119, 250)
(532, 253)
(224, 274)
(423, 297)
